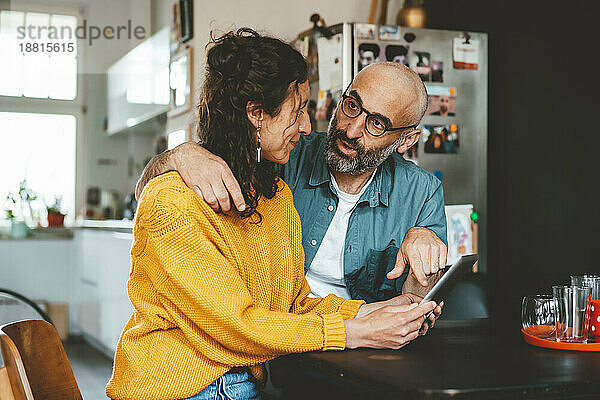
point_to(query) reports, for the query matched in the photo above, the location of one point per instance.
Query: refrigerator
(453, 143)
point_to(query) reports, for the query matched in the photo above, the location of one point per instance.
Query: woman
(216, 295)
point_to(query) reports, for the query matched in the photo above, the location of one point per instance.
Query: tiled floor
(92, 369)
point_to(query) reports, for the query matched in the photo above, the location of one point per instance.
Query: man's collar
(319, 173)
(377, 192)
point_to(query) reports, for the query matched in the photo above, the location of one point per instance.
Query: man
(398, 54)
(368, 53)
(365, 211)
(444, 107)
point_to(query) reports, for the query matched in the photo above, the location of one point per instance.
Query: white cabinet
(43, 270)
(115, 307)
(138, 84)
(104, 262)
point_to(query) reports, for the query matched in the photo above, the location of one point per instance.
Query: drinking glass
(593, 281)
(572, 313)
(538, 316)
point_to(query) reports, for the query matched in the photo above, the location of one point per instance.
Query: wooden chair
(35, 363)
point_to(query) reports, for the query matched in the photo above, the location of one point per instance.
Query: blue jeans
(234, 385)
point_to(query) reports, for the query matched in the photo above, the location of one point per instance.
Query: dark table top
(456, 359)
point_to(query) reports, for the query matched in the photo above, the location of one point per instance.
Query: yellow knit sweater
(212, 292)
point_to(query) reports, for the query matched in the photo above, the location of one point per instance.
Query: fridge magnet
(444, 106)
(365, 31)
(389, 32)
(397, 54)
(460, 231)
(327, 103)
(465, 53)
(435, 90)
(437, 71)
(368, 53)
(412, 153)
(421, 64)
(441, 139)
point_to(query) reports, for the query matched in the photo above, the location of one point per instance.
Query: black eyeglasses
(375, 123)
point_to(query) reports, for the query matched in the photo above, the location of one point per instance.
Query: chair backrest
(36, 362)
(6, 392)
(13, 379)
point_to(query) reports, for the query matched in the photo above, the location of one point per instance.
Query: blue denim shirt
(401, 196)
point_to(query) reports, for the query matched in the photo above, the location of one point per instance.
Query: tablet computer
(451, 277)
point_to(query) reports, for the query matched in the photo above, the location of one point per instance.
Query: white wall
(160, 14)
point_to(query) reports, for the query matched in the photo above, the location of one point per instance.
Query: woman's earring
(258, 142)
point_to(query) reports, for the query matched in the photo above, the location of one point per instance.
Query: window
(41, 149)
(39, 58)
(32, 64)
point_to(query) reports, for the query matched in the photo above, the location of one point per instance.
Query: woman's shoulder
(284, 193)
(281, 205)
(277, 205)
(165, 200)
(166, 188)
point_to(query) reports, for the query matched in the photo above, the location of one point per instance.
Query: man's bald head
(398, 84)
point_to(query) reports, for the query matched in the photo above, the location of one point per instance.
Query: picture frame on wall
(180, 83)
(186, 23)
(175, 31)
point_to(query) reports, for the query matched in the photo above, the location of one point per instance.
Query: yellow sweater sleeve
(204, 296)
(304, 304)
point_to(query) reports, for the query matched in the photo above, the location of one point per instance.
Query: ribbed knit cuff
(349, 308)
(335, 332)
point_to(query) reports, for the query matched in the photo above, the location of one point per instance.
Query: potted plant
(27, 196)
(10, 215)
(18, 228)
(55, 216)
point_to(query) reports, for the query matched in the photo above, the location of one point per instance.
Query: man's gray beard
(364, 160)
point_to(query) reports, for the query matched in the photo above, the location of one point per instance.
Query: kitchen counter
(61, 233)
(40, 234)
(114, 225)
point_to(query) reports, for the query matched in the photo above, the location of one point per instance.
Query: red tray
(552, 344)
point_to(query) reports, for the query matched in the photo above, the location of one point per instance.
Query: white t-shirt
(326, 272)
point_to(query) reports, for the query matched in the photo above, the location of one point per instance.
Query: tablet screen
(451, 277)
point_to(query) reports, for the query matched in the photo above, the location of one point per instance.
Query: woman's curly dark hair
(245, 66)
